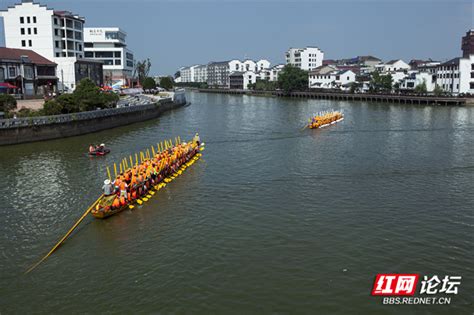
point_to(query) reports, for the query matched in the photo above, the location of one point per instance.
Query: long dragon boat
(325, 119)
(143, 180)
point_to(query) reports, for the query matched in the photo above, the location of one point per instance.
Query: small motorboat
(99, 150)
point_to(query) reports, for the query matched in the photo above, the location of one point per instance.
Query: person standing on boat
(108, 188)
(197, 139)
(123, 188)
(91, 149)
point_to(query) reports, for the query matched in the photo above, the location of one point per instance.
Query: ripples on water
(266, 222)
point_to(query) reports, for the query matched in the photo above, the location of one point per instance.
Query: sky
(175, 33)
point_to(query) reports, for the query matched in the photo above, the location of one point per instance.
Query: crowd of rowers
(137, 181)
(324, 119)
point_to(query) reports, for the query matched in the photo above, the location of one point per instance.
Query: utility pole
(62, 81)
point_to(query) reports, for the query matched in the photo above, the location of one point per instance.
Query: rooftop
(15, 54)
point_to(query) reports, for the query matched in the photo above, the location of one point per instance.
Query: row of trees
(166, 83)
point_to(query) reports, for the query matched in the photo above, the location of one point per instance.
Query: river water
(272, 219)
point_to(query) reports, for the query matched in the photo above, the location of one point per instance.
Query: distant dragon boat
(325, 119)
(144, 179)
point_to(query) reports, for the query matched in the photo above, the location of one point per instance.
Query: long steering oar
(65, 236)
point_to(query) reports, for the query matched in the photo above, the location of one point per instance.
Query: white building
(55, 35)
(108, 45)
(416, 78)
(275, 71)
(456, 75)
(263, 64)
(188, 74)
(249, 65)
(240, 80)
(236, 65)
(200, 73)
(336, 79)
(305, 58)
(392, 66)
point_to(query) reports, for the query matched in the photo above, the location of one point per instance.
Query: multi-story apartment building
(456, 75)
(108, 44)
(188, 74)
(200, 73)
(305, 58)
(218, 74)
(55, 35)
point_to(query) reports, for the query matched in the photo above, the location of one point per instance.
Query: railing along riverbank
(383, 98)
(64, 118)
(30, 129)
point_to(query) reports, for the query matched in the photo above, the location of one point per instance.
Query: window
(472, 66)
(30, 43)
(118, 62)
(108, 62)
(56, 44)
(472, 75)
(29, 73)
(22, 20)
(89, 45)
(104, 54)
(457, 86)
(34, 19)
(57, 55)
(56, 32)
(23, 43)
(28, 20)
(11, 72)
(55, 21)
(118, 54)
(22, 31)
(29, 31)
(89, 54)
(471, 85)
(35, 31)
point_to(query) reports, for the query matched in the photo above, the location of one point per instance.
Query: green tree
(421, 88)
(380, 82)
(292, 79)
(7, 103)
(166, 83)
(87, 95)
(68, 103)
(52, 107)
(438, 91)
(149, 83)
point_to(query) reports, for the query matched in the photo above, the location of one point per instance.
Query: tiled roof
(15, 54)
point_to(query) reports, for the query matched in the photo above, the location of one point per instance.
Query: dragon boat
(162, 172)
(325, 119)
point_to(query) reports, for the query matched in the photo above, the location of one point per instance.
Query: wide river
(272, 219)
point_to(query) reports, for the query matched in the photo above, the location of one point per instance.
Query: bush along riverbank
(87, 96)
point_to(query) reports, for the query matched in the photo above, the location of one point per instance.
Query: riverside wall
(15, 131)
(383, 98)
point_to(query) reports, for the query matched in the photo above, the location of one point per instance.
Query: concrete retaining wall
(22, 134)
